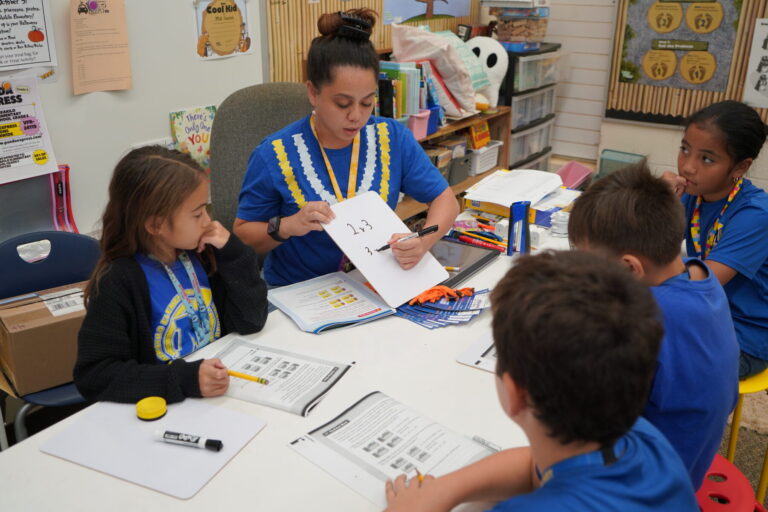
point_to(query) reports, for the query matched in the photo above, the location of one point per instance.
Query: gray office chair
(243, 119)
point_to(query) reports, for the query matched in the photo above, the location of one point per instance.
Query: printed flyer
(222, 28)
(26, 35)
(756, 83)
(25, 144)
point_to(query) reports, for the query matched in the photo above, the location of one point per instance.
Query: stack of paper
(446, 312)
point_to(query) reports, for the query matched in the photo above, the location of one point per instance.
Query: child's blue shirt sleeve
(743, 245)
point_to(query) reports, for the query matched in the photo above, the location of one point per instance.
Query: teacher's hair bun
(356, 24)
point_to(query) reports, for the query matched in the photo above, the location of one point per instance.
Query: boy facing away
(576, 340)
(634, 218)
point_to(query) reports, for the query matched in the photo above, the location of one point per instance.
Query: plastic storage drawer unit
(535, 71)
(532, 106)
(529, 142)
(540, 163)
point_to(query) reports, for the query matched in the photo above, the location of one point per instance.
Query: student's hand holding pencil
(311, 217)
(214, 379)
(420, 493)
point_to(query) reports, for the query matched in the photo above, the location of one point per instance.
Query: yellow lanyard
(352, 182)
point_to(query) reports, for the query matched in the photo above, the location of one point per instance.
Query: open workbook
(329, 302)
(294, 382)
(378, 439)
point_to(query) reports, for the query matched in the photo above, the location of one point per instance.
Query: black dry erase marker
(425, 231)
(189, 440)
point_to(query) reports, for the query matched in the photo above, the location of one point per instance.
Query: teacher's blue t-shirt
(287, 170)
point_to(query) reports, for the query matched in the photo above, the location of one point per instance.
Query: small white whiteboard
(109, 438)
(363, 224)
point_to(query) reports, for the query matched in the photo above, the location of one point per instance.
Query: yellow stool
(752, 384)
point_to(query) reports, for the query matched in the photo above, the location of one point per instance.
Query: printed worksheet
(378, 439)
(365, 223)
(481, 354)
(328, 302)
(295, 382)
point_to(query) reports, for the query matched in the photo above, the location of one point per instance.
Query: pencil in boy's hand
(418, 234)
(245, 376)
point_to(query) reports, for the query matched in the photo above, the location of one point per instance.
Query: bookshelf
(499, 123)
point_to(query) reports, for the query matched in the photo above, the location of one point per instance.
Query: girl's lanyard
(713, 235)
(198, 316)
(352, 182)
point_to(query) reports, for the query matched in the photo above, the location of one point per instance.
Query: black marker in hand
(425, 231)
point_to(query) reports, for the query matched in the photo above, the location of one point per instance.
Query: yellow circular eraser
(151, 408)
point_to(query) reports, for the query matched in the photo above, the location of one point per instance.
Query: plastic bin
(534, 71)
(484, 159)
(540, 163)
(460, 169)
(433, 123)
(529, 142)
(612, 160)
(532, 106)
(417, 123)
(575, 175)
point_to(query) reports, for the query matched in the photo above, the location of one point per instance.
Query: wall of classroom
(91, 131)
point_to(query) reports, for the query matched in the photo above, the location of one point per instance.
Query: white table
(408, 362)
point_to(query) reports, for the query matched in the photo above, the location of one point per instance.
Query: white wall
(90, 131)
(660, 144)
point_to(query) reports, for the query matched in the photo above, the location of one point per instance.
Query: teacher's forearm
(443, 212)
(255, 235)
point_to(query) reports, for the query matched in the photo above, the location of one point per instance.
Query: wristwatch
(273, 229)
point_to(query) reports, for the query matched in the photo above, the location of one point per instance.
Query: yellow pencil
(419, 475)
(245, 376)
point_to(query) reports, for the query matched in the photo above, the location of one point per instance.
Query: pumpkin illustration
(36, 36)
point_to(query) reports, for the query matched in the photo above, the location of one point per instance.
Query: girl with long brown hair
(170, 280)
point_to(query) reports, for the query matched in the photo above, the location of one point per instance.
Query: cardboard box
(38, 337)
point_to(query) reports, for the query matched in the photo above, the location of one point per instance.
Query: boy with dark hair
(576, 341)
(634, 218)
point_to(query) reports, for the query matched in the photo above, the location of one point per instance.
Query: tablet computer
(465, 259)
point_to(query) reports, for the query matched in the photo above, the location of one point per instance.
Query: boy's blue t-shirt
(695, 387)
(648, 476)
(287, 170)
(743, 246)
(173, 335)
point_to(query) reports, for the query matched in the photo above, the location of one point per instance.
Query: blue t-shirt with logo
(287, 170)
(173, 334)
(647, 476)
(743, 246)
(696, 384)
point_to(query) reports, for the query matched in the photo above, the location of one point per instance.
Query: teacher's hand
(310, 218)
(409, 252)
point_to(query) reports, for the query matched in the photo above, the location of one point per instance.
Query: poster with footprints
(756, 82)
(363, 224)
(680, 44)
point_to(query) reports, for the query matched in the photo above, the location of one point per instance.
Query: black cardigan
(115, 356)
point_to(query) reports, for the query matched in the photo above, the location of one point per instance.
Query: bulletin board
(673, 57)
(293, 25)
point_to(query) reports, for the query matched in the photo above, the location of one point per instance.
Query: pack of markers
(445, 311)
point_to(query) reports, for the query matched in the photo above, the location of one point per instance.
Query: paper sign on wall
(25, 145)
(26, 35)
(365, 223)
